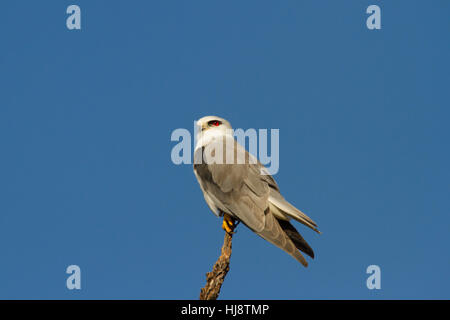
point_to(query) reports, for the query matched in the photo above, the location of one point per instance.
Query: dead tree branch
(215, 278)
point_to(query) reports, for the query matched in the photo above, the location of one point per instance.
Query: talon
(228, 223)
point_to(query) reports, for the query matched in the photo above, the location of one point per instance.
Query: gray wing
(242, 191)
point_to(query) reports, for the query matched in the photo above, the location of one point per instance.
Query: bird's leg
(228, 223)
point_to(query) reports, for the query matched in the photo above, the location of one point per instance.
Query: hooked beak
(202, 127)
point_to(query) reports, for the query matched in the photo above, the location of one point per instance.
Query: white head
(211, 126)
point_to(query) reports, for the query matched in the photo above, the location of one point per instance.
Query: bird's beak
(202, 126)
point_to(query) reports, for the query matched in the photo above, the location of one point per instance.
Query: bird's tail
(274, 233)
(296, 237)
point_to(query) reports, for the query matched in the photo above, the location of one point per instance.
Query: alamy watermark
(374, 280)
(222, 149)
(74, 280)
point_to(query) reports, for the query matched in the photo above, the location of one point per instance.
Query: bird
(244, 191)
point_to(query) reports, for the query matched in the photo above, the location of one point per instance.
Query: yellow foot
(228, 223)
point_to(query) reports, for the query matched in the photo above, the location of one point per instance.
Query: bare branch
(215, 278)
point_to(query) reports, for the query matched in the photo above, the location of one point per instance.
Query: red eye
(214, 123)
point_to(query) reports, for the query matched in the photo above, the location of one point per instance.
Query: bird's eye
(214, 123)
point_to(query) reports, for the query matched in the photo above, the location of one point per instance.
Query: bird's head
(213, 123)
(210, 126)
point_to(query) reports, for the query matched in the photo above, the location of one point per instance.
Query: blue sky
(86, 117)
